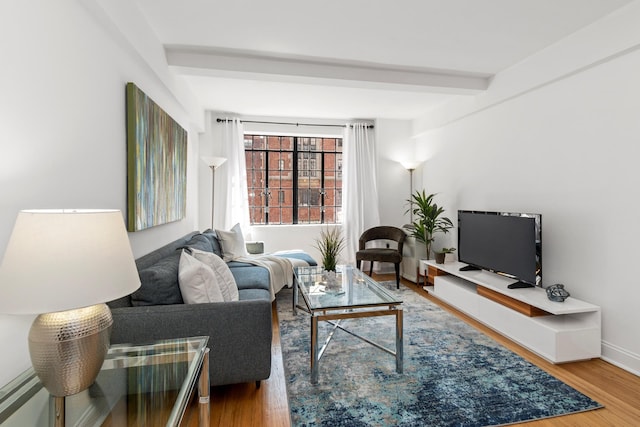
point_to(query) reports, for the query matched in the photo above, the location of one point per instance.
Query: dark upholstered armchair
(393, 255)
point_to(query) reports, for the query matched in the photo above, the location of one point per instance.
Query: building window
(305, 173)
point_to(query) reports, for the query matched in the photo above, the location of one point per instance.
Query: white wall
(566, 147)
(288, 237)
(394, 147)
(62, 115)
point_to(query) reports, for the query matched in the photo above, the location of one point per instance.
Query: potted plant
(428, 219)
(441, 254)
(330, 244)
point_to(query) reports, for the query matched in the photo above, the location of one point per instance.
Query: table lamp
(64, 265)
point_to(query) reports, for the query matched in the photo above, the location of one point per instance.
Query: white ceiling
(354, 58)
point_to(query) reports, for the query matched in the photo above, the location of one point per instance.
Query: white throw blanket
(280, 269)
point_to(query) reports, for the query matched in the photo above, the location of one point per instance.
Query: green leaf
(330, 244)
(428, 218)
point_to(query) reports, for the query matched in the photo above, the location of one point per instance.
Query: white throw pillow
(197, 281)
(232, 243)
(223, 276)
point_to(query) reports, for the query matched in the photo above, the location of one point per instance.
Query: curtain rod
(219, 120)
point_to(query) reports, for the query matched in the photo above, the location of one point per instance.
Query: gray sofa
(240, 332)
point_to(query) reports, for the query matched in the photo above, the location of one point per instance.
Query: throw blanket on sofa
(280, 269)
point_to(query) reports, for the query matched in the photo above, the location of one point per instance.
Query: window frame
(304, 152)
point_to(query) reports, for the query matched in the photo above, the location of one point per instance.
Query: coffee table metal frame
(355, 295)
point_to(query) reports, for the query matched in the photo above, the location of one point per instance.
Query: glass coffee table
(353, 295)
(138, 385)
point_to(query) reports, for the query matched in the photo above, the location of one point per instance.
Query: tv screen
(503, 242)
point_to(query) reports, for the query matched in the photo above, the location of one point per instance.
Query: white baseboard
(621, 358)
(389, 269)
(409, 277)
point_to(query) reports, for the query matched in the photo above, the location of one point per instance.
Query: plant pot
(329, 275)
(440, 257)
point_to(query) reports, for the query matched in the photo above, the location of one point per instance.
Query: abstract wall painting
(156, 164)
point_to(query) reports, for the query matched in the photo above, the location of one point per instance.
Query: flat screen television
(506, 243)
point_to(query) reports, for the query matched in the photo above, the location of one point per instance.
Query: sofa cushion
(215, 243)
(232, 243)
(124, 301)
(250, 276)
(170, 248)
(255, 294)
(239, 264)
(223, 276)
(159, 283)
(301, 255)
(197, 281)
(200, 242)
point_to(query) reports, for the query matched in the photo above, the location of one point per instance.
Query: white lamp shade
(213, 162)
(62, 259)
(410, 164)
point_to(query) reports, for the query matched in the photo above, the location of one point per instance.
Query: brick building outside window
(294, 179)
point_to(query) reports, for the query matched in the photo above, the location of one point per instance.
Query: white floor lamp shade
(64, 265)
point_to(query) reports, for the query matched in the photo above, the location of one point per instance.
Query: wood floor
(617, 389)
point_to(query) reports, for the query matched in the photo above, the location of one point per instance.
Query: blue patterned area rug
(453, 374)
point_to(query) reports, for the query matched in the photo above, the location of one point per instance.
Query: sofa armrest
(240, 334)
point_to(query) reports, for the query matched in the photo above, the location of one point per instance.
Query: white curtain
(360, 192)
(231, 179)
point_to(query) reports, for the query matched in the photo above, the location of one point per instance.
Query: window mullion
(323, 190)
(266, 187)
(295, 180)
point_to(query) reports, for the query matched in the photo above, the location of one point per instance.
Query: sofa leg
(258, 383)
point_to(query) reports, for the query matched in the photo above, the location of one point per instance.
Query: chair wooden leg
(398, 276)
(370, 268)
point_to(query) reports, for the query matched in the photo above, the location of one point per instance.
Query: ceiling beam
(245, 64)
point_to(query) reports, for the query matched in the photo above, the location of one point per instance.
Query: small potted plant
(442, 253)
(330, 244)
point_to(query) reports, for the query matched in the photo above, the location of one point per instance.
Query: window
(294, 180)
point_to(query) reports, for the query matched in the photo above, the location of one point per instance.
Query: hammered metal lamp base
(67, 348)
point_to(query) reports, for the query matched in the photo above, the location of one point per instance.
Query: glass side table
(149, 384)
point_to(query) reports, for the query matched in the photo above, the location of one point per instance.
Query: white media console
(558, 331)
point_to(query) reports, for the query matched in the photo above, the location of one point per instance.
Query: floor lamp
(410, 166)
(213, 163)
